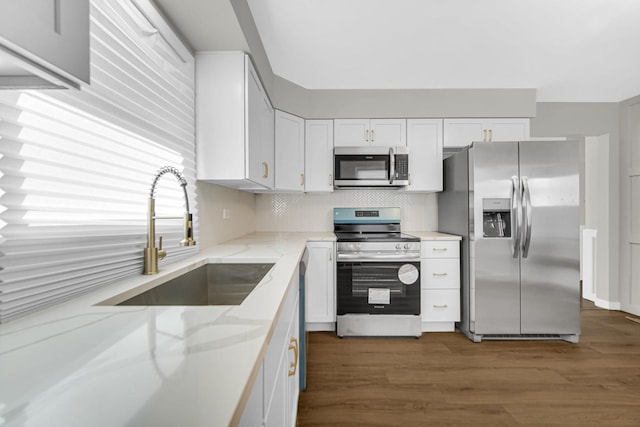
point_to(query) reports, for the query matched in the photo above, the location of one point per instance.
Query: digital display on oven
(367, 214)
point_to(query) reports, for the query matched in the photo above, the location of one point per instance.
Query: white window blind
(76, 167)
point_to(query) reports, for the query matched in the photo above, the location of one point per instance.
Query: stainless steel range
(377, 274)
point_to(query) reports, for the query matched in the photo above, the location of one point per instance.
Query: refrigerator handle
(526, 200)
(516, 216)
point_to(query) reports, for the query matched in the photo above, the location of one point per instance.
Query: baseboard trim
(609, 305)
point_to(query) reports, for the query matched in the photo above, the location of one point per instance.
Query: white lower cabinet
(440, 285)
(320, 305)
(274, 397)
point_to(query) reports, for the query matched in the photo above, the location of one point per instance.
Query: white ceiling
(569, 50)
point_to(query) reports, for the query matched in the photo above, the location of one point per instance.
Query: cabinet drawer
(440, 273)
(440, 305)
(440, 249)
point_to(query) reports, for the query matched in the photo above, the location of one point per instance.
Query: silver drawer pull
(440, 306)
(439, 249)
(440, 274)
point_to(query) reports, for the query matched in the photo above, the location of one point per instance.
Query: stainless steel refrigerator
(516, 206)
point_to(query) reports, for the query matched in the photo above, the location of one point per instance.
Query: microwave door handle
(392, 165)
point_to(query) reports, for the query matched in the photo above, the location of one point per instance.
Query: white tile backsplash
(314, 212)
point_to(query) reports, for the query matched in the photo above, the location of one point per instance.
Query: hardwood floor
(443, 379)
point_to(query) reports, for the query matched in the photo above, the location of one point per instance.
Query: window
(76, 167)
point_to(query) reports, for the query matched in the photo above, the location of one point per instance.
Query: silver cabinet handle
(439, 249)
(330, 179)
(490, 135)
(265, 168)
(440, 306)
(302, 179)
(440, 274)
(366, 135)
(373, 135)
(330, 254)
(484, 133)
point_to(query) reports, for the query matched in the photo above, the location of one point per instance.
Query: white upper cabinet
(234, 123)
(462, 132)
(370, 132)
(318, 156)
(44, 43)
(290, 157)
(424, 140)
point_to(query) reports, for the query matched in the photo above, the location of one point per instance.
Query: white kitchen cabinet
(318, 151)
(273, 400)
(424, 140)
(440, 285)
(462, 132)
(370, 132)
(44, 43)
(290, 147)
(234, 123)
(281, 406)
(320, 305)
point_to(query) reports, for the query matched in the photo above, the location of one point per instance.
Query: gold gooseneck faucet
(151, 253)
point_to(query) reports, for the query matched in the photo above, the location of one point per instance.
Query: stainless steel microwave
(370, 167)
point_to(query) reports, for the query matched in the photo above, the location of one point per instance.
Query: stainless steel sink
(211, 284)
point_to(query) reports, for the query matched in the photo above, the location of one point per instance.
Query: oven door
(378, 288)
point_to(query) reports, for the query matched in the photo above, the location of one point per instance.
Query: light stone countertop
(78, 364)
(433, 235)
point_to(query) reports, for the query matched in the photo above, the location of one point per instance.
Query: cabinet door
(507, 129)
(424, 139)
(52, 33)
(462, 132)
(319, 283)
(318, 151)
(293, 371)
(351, 132)
(289, 144)
(388, 132)
(260, 138)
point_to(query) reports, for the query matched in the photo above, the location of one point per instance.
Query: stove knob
(358, 246)
(352, 246)
(398, 246)
(406, 246)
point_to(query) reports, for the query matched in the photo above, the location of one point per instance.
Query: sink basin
(210, 284)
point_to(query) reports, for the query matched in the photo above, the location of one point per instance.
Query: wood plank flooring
(443, 379)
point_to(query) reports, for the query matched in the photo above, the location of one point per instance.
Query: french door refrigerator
(516, 206)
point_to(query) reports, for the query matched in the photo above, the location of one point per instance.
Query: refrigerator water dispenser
(496, 217)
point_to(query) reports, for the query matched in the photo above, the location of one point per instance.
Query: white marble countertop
(433, 235)
(82, 364)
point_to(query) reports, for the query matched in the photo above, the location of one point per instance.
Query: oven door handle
(378, 258)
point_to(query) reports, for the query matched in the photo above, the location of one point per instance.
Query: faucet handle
(161, 253)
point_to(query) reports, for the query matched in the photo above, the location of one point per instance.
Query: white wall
(314, 212)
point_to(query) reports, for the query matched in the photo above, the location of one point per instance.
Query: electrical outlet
(226, 213)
